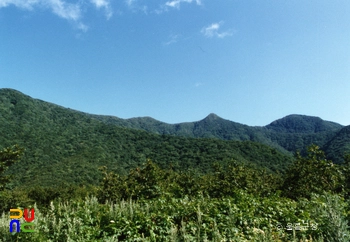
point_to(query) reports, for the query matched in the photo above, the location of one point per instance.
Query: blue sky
(178, 60)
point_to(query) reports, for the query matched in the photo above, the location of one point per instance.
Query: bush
(328, 211)
(312, 174)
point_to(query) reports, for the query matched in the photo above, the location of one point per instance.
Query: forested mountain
(288, 134)
(63, 145)
(294, 132)
(67, 145)
(216, 127)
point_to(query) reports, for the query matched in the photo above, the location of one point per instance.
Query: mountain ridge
(288, 134)
(67, 146)
(275, 134)
(210, 116)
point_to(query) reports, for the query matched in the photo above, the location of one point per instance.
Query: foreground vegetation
(239, 218)
(235, 202)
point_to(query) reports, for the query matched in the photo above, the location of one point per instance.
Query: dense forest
(99, 178)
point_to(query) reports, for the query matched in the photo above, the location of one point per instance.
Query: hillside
(288, 134)
(339, 144)
(281, 134)
(67, 146)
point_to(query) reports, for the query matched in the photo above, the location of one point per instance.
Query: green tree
(346, 171)
(146, 182)
(312, 174)
(8, 156)
(226, 180)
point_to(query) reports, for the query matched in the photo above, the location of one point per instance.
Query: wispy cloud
(103, 4)
(63, 9)
(213, 31)
(18, 3)
(130, 3)
(172, 39)
(175, 4)
(136, 7)
(66, 10)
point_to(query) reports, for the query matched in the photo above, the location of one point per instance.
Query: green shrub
(329, 213)
(312, 174)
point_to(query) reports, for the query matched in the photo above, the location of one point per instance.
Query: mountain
(67, 146)
(289, 134)
(302, 124)
(297, 132)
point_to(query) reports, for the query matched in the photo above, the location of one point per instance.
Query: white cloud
(130, 2)
(100, 3)
(176, 3)
(104, 4)
(173, 39)
(213, 31)
(65, 10)
(136, 7)
(82, 26)
(27, 4)
(68, 11)
(62, 8)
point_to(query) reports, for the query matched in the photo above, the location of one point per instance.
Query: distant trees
(150, 181)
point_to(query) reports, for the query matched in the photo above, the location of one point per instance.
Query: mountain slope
(339, 144)
(67, 146)
(291, 133)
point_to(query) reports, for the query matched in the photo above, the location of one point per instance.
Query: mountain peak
(212, 116)
(296, 123)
